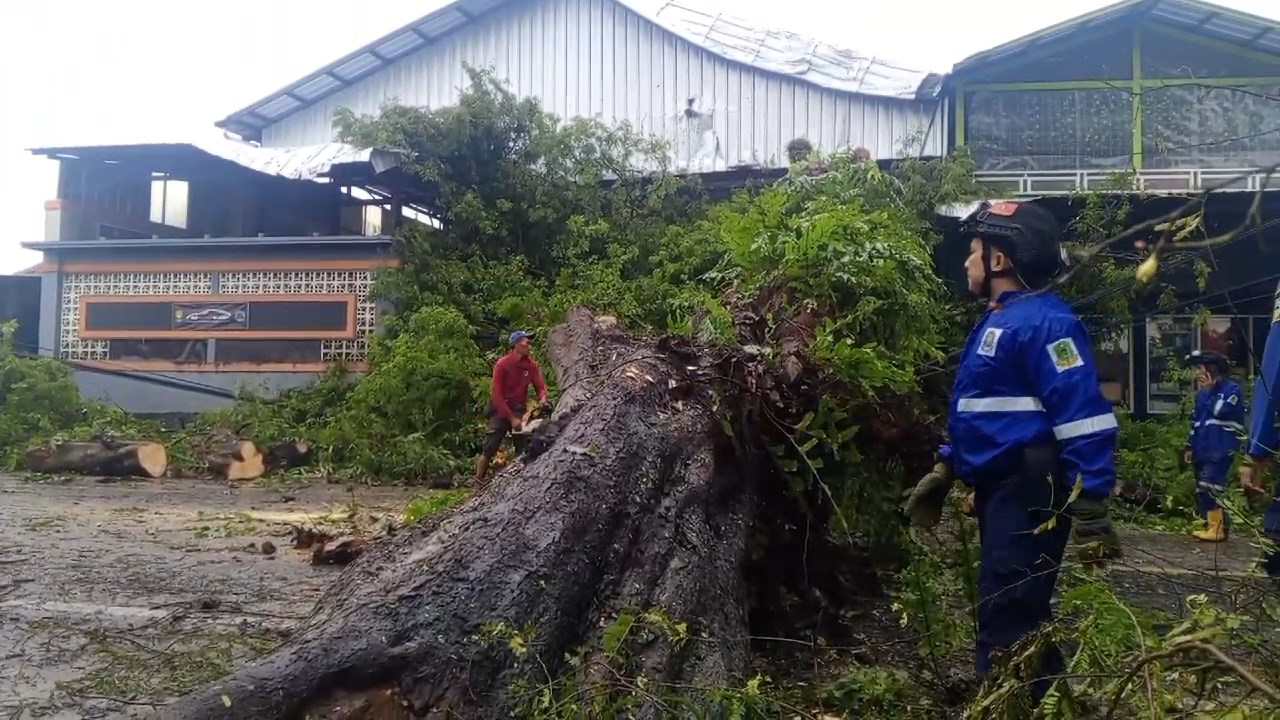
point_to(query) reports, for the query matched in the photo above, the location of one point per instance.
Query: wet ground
(117, 595)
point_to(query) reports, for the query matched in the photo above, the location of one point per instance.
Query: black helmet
(1210, 359)
(1027, 233)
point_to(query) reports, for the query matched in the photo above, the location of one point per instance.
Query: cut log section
(289, 454)
(237, 460)
(246, 460)
(105, 457)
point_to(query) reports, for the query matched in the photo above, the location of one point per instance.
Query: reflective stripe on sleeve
(1220, 423)
(1000, 404)
(1076, 428)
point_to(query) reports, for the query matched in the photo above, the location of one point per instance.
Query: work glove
(923, 503)
(545, 408)
(1092, 525)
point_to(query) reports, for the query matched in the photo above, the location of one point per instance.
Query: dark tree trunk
(103, 456)
(632, 498)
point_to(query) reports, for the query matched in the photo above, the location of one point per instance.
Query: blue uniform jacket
(1027, 377)
(1262, 415)
(1262, 418)
(1217, 422)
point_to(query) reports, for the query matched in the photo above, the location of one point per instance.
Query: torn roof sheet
(312, 162)
(785, 53)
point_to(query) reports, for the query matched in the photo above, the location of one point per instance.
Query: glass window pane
(157, 202)
(1169, 340)
(175, 203)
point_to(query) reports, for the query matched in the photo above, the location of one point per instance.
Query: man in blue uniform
(1216, 424)
(1028, 422)
(1263, 440)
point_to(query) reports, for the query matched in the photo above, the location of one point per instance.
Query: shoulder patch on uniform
(990, 339)
(1065, 354)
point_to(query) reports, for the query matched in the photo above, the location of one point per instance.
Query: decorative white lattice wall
(314, 282)
(130, 283)
(290, 282)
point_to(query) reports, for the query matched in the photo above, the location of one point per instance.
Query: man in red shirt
(512, 376)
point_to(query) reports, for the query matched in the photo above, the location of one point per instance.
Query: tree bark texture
(104, 457)
(631, 498)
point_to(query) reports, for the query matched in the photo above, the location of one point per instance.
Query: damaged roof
(776, 51)
(313, 162)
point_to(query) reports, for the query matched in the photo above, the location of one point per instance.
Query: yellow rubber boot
(1216, 530)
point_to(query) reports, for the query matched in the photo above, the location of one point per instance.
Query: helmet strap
(989, 272)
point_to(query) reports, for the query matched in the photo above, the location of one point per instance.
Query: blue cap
(519, 335)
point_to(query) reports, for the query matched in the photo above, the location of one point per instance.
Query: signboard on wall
(210, 316)
(315, 317)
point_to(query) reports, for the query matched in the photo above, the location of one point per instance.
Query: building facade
(723, 94)
(212, 268)
(1181, 93)
(1164, 97)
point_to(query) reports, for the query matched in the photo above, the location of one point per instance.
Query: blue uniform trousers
(1211, 481)
(1019, 568)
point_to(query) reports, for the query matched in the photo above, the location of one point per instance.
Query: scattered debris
(340, 551)
(304, 538)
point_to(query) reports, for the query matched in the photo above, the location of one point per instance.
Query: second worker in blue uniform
(1028, 421)
(1264, 441)
(1217, 424)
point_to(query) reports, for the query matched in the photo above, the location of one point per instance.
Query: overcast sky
(88, 72)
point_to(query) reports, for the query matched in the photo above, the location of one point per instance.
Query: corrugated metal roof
(787, 53)
(313, 162)
(1203, 18)
(775, 51)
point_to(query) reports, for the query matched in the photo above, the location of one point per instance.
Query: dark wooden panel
(281, 315)
(128, 316)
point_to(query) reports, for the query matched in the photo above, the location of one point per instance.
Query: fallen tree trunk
(632, 499)
(102, 456)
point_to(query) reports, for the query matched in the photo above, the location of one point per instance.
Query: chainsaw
(532, 420)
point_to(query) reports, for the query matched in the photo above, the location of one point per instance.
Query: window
(372, 220)
(1035, 130)
(168, 201)
(1171, 339)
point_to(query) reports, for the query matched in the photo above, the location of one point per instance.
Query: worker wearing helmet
(1216, 424)
(1028, 421)
(1263, 440)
